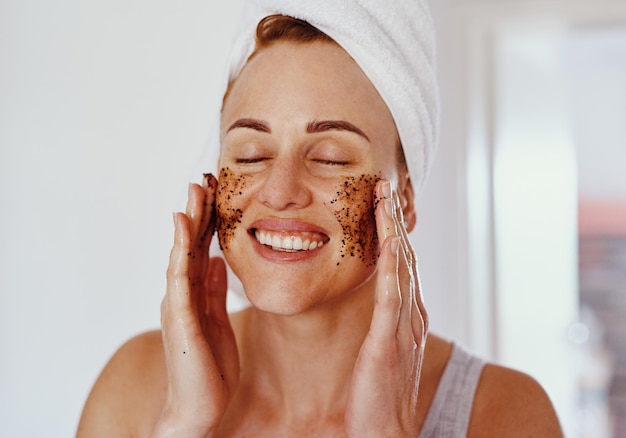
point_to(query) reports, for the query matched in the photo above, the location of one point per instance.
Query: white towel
(393, 42)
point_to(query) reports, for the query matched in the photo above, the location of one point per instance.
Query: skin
(346, 353)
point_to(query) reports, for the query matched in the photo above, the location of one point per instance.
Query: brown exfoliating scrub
(354, 209)
(231, 186)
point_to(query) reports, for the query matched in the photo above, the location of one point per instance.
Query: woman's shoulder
(130, 391)
(512, 403)
(506, 402)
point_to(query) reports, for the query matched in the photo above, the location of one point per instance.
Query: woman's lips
(290, 241)
(288, 235)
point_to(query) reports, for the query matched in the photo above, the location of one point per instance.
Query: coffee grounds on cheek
(354, 210)
(230, 188)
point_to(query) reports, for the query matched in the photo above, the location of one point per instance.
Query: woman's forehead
(316, 62)
(317, 76)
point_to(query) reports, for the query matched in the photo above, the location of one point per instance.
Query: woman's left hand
(384, 388)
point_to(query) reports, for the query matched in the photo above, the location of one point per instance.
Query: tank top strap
(451, 408)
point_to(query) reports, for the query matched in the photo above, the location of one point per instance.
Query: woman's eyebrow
(257, 125)
(331, 125)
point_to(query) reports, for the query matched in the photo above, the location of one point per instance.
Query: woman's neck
(302, 365)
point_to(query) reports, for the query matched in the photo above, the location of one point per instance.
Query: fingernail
(177, 237)
(388, 204)
(394, 245)
(386, 189)
(211, 180)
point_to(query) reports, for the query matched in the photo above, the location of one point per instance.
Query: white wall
(104, 109)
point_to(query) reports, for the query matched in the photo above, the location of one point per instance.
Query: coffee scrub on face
(230, 187)
(354, 207)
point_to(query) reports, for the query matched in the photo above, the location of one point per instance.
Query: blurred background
(105, 109)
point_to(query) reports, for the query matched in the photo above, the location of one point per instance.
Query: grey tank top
(451, 407)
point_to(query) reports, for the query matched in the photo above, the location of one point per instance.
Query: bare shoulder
(128, 396)
(513, 404)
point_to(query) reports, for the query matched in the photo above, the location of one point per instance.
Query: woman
(312, 206)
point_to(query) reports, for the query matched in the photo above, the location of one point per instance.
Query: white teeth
(297, 243)
(276, 242)
(289, 243)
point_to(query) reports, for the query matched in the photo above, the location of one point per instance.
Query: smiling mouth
(290, 241)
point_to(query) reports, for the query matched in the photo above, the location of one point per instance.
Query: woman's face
(305, 137)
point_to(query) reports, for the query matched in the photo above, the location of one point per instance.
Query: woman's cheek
(353, 207)
(230, 190)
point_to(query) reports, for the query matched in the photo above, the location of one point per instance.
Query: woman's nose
(284, 186)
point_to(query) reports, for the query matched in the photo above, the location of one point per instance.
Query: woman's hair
(284, 28)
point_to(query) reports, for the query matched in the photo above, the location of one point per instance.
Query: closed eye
(332, 162)
(250, 160)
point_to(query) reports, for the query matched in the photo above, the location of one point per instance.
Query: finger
(215, 291)
(207, 223)
(398, 220)
(413, 315)
(388, 295)
(388, 301)
(410, 324)
(217, 285)
(177, 309)
(209, 215)
(385, 226)
(194, 209)
(178, 281)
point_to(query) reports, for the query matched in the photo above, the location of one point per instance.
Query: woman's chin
(287, 300)
(278, 302)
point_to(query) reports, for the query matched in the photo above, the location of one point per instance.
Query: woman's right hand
(198, 340)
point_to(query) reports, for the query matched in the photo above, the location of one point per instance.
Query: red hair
(278, 27)
(284, 28)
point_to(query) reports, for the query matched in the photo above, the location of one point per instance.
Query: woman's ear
(407, 201)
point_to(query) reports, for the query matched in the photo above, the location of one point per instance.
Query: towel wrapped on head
(392, 41)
